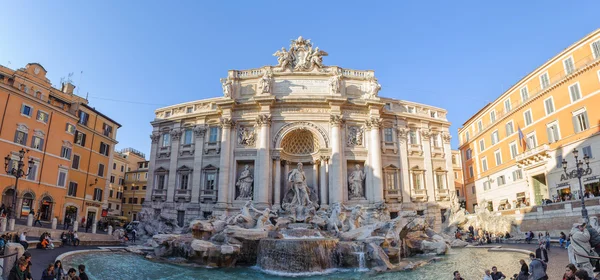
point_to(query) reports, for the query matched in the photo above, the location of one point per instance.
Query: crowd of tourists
(54, 271)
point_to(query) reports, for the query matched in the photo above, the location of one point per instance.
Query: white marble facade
(355, 146)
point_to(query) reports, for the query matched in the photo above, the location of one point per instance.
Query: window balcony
(159, 195)
(164, 151)
(534, 157)
(393, 195)
(419, 195)
(185, 195)
(442, 194)
(437, 152)
(415, 149)
(208, 195)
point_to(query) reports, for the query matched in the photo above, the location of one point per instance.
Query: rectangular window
(79, 138)
(75, 162)
(411, 109)
(70, 128)
(559, 159)
(21, 137)
(467, 136)
(122, 168)
(117, 207)
(26, 110)
(433, 114)
(161, 182)
(498, 156)
(100, 170)
(524, 94)
(455, 175)
(501, 180)
(416, 181)
(83, 117)
(514, 151)
(481, 145)
(486, 185)
(37, 143)
(569, 65)
(549, 106)
(107, 130)
(65, 152)
(104, 148)
(166, 140)
(473, 191)
(471, 174)
(553, 133)
(493, 116)
(121, 181)
(507, 105)
(484, 165)
(436, 140)
(517, 174)
(210, 181)
(187, 136)
(531, 141)
(98, 194)
(528, 117)
(72, 189)
(112, 180)
(469, 154)
(114, 166)
(495, 137)
(480, 125)
(510, 129)
(183, 184)
(110, 193)
(388, 135)
(544, 80)
(587, 150)
(213, 134)
(42, 116)
(580, 121)
(439, 179)
(62, 178)
(167, 114)
(32, 173)
(596, 49)
(412, 136)
(189, 110)
(574, 92)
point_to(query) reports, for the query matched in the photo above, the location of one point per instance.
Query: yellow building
(117, 179)
(134, 191)
(459, 186)
(512, 148)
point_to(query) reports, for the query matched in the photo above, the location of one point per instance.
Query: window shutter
(550, 134)
(16, 136)
(41, 144)
(596, 47)
(586, 120)
(576, 125)
(83, 139)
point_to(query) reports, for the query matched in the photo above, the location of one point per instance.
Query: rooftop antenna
(86, 95)
(80, 82)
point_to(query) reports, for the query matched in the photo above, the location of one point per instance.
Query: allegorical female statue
(355, 182)
(244, 184)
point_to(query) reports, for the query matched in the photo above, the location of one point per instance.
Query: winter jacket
(537, 269)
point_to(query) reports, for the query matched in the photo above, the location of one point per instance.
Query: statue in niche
(246, 137)
(335, 83)
(373, 88)
(299, 187)
(244, 184)
(355, 137)
(227, 85)
(264, 84)
(355, 181)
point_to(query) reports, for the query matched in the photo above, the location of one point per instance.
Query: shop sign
(104, 212)
(564, 184)
(93, 204)
(573, 174)
(591, 178)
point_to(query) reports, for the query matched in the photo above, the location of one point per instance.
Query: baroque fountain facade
(294, 158)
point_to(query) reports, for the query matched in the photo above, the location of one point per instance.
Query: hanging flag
(522, 140)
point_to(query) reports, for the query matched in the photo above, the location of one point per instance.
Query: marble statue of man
(244, 184)
(301, 191)
(355, 181)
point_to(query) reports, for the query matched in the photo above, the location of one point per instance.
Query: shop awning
(504, 201)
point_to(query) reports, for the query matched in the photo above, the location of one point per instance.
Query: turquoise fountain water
(470, 262)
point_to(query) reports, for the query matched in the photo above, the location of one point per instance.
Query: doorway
(91, 218)
(27, 204)
(539, 187)
(46, 208)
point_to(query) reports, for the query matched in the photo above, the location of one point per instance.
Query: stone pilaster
(448, 157)
(261, 184)
(225, 164)
(336, 190)
(199, 133)
(323, 181)
(374, 124)
(277, 183)
(172, 181)
(428, 175)
(404, 168)
(155, 137)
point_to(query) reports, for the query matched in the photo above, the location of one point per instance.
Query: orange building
(49, 123)
(513, 148)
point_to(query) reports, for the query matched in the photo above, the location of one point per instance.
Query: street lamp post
(17, 173)
(580, 171)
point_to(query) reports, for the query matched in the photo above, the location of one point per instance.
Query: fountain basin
(297, 255)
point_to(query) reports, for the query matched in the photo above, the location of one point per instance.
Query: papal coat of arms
(300, 57)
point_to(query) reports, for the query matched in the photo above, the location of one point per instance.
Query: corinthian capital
(446, 137)
(155, 136)
(175, 133)
(403, 132)
(200, 130)
(374, 122)
(227, 123)
(425, 133)
(336, 120)
(263, 119)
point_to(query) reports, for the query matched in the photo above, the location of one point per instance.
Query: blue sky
(137, 56)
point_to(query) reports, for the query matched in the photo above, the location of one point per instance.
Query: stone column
(199, 132)
(172, 179)
(287, 164)
(404, 168)
(323, 181)
(225, 164)
(336, 190)
(428, 174)
(3, 224)
(155, 137)
(277, 184)
(30, 220)
(315, 183)
(375, 159)
(110, 230)
(54, 223)
(94, 227)
(445, 138)
(261, 182)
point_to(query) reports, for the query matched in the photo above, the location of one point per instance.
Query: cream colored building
(355, 146)
(123, 162)
(135, 187)
(555, 107)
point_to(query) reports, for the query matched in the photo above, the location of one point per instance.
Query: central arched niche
(300, 142)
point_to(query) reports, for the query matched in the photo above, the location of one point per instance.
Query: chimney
(68, 88)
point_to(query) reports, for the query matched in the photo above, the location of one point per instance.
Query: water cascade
(296, 256)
